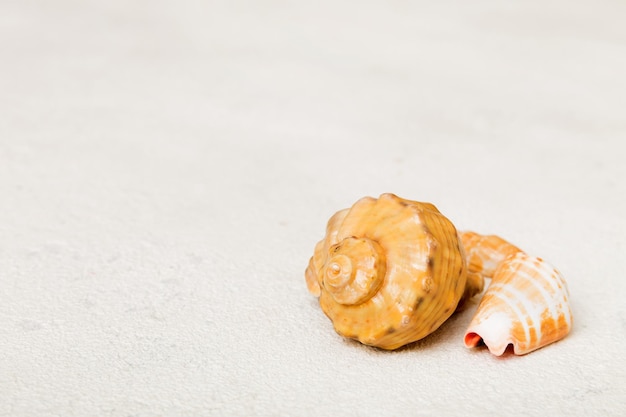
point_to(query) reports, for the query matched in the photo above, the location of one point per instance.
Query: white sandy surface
(166, 169)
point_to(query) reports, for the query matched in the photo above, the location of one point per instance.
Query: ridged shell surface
(389, 271)
(526, 305)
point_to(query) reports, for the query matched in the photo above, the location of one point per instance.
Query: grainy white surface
(166, 169)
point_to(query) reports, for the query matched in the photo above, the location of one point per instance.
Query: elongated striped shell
(526, 304)
(389, 271)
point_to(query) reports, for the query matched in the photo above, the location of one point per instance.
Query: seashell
(527, 303)
(486, 252)
(389, 271)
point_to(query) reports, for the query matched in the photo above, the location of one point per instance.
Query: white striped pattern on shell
(526, 305)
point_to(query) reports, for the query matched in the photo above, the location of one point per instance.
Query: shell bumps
(389, 271)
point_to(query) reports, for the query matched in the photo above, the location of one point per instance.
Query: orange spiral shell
(389, 271)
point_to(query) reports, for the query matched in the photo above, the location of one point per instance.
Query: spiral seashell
(527, 303)
(389, 271)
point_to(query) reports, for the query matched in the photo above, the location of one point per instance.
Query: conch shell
(526, 304)
(390, 271)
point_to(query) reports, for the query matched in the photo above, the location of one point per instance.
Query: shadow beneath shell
(452, 329)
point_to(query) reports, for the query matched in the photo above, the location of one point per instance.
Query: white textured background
(166, 169)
